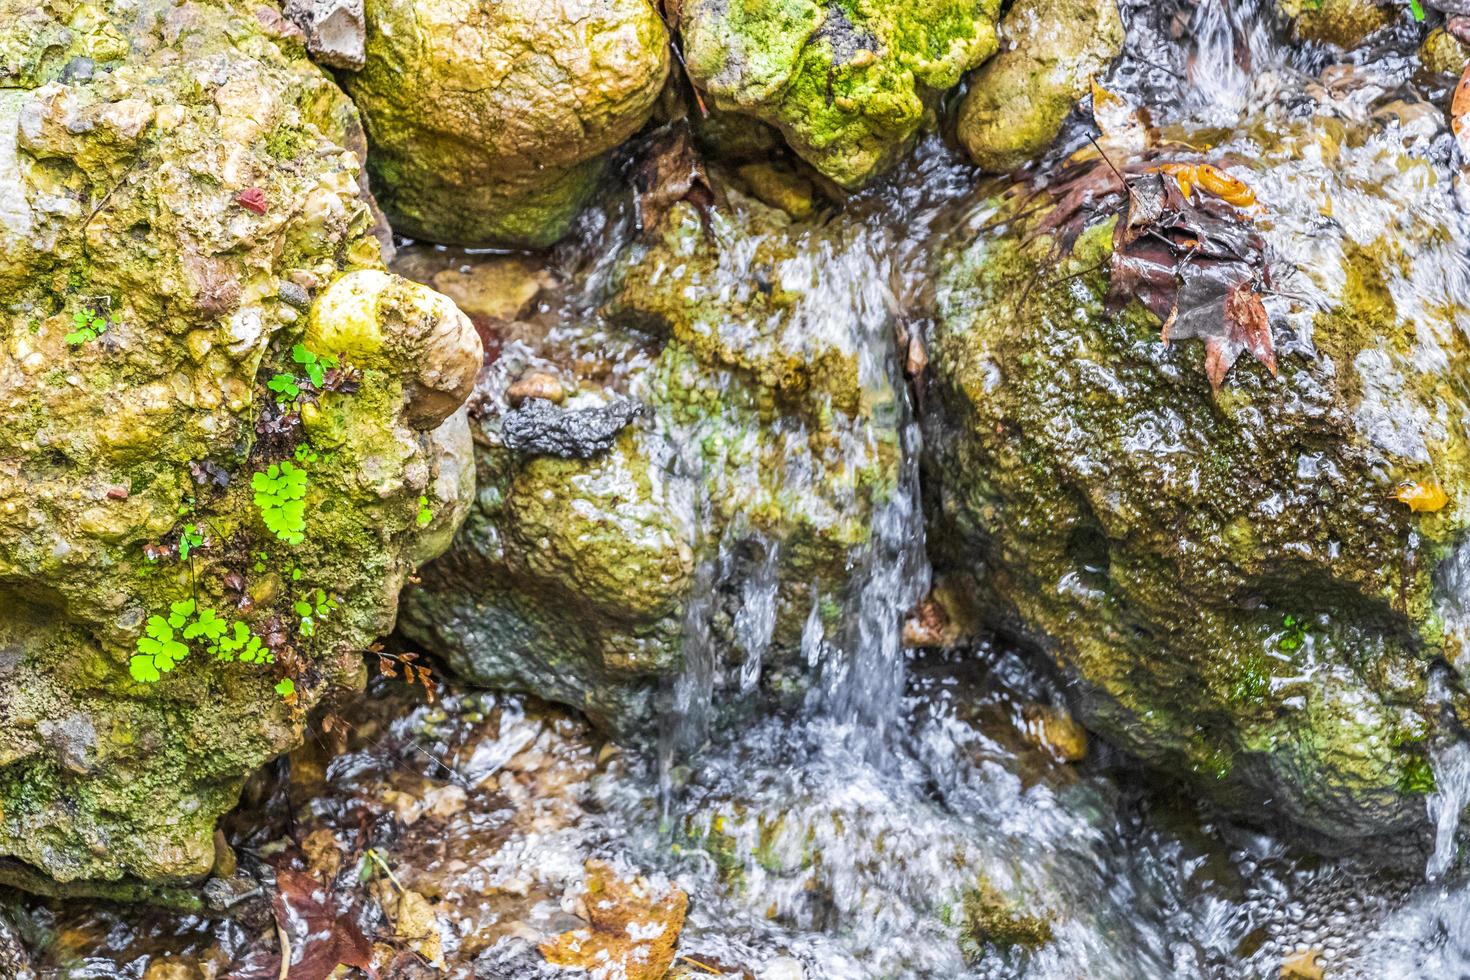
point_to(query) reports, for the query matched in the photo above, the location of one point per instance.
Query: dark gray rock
(540, 428)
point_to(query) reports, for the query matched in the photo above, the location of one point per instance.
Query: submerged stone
(490, 122)
(190, 559)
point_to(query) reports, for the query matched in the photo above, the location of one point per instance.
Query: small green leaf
(142, 669)
(179, 612)
(208, 625)
(285, 687)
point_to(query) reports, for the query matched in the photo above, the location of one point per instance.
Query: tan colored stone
(1056, 731)
(537, 384)
(500, 288)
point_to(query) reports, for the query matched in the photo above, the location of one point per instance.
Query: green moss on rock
(1017, 101)
(1345, 23)
(765, 444)
(1227, 575)
(848, 83)
(157, 193)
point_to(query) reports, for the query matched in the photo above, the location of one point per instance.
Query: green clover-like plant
(426, 513)
(162, 646)
(285, 387)
(313, 609)
(158, 651)
(190, 539)
(286, 688)
(315, 365)
(208, 625)
(87, 325)
(280, 494)
(239, 643)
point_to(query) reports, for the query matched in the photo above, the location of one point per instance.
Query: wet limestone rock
(848, 83)
(490, 121)
(182, 224)
(1018, 99)
(765, 444)
(336, 30)
(1345, 23)
(1229, 576)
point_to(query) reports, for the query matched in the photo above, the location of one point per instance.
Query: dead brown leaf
(1460, 113)
(669, 170)
(322, 937)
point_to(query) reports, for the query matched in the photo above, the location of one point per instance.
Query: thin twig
(285, 951)
(703, 966)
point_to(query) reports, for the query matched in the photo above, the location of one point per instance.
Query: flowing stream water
(857, 835)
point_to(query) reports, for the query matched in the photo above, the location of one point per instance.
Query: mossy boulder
(849, 83)
(1228, 575)
(732, 507)
(1018, 99)
(178, 196)
(490, 120)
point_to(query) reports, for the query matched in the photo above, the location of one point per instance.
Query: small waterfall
(755, 621)
(1445, 804)
(863, 669)
(1216, 72)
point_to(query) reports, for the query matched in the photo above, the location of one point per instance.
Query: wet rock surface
(847, 84)
(1215, 566)
(700, 442)
(177, 181)
(1017, 101)
(469, 838)
(539, 428)
(490, 121)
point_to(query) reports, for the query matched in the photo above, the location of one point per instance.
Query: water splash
(755, 621)
(1447, 802)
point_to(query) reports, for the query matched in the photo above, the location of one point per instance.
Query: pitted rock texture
(540, 428)
(849, 83)
(178, 174)
(490, 120)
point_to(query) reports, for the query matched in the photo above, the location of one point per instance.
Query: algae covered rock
(223, 445)
(731, 507)
(1345, 23)
(1235, 579)
(848, 83)
(1018, 99)
(490, 119)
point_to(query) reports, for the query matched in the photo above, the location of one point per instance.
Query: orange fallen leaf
(1460, 112)
(1302, 965)
(1212, 180)
(1425, 497)
(628, 927)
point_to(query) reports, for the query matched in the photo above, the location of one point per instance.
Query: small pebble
(537, 384)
